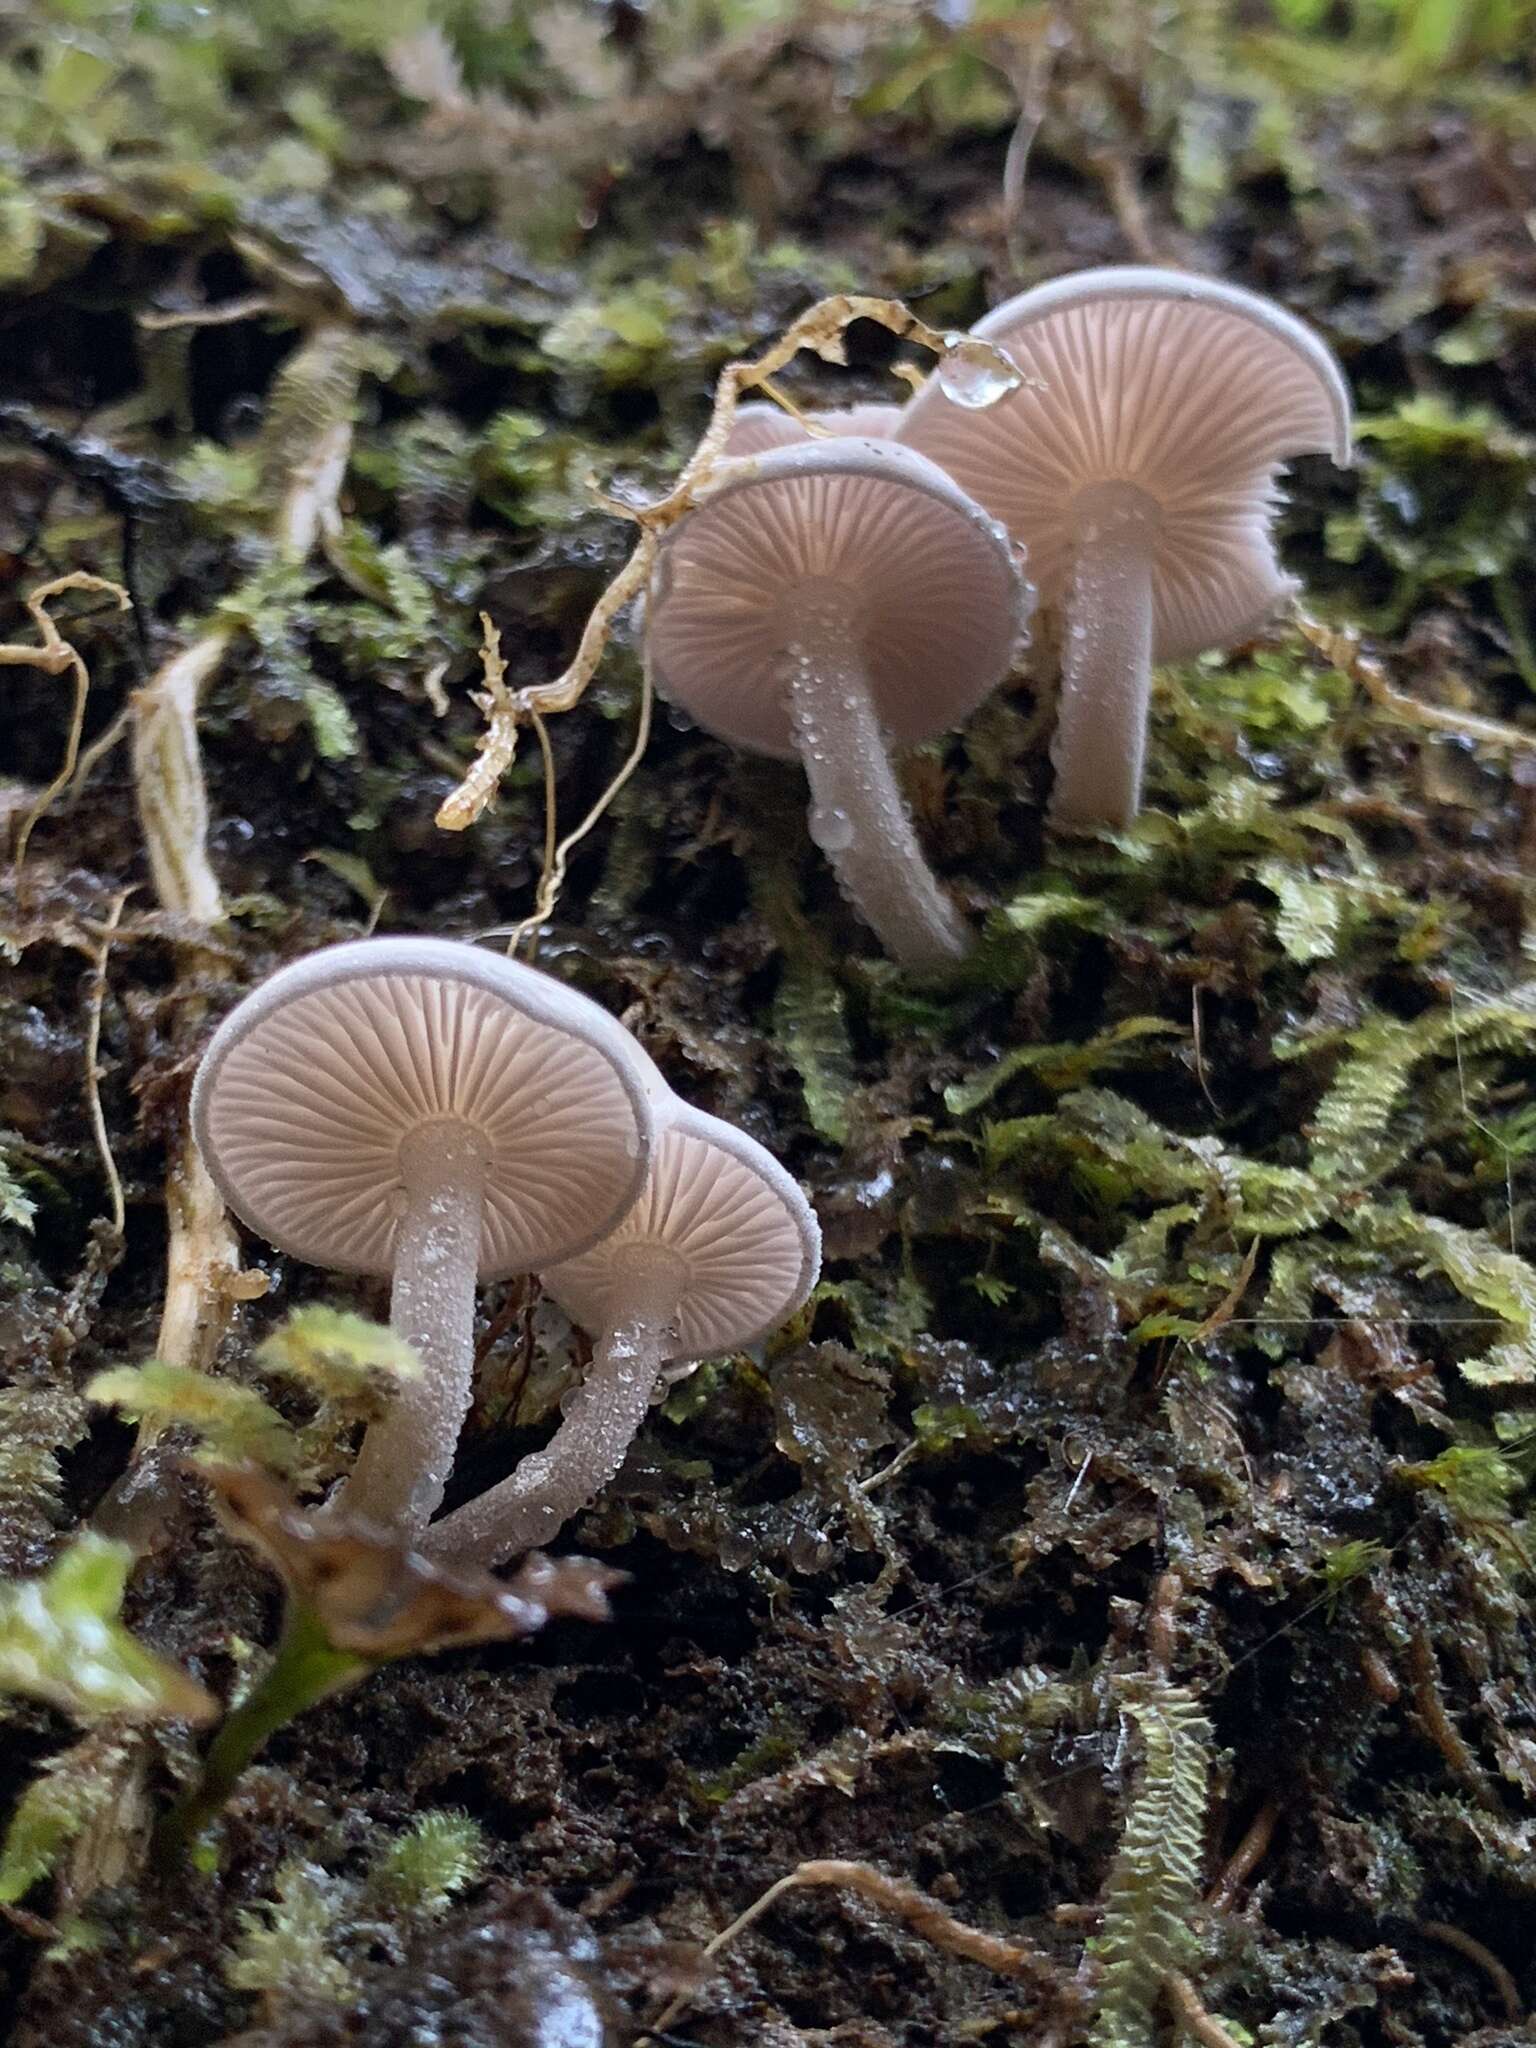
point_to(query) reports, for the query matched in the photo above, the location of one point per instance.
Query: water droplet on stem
(831, 828)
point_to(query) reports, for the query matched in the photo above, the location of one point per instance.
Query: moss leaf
(1060, 1067)
(61, 1640)
(339, 1356)
(1311, 912)
(424, 1869)
(232, 1422)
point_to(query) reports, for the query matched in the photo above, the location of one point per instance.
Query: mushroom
(758, 427)
(816, 594)
(419, 1108)
(719, 1249)
(1136, 461)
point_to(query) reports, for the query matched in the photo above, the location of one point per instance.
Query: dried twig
(92, 1074)
(1016, 163)
(1344, 651)
(54, 655)
(924, 1915)
(226, 313)
(1469, 1946)
(1123, 191)
(1438, 1725)
(557, 856)
(202, 1253)
(168, 778)
(1246, 1857)
(820, 329)
(1162, 1622)
(1191, 2014)
(1232, 1300)
(203, 1276)
(111, 736)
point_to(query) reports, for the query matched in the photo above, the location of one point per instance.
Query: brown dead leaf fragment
(380, 1599)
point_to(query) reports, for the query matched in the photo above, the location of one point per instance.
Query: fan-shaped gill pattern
(744, 1231)
(306, 1111)
(932, 585)
(1187, 398)
(758, 427)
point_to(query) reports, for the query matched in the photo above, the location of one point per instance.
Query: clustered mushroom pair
(862, 575)
(423, 1109)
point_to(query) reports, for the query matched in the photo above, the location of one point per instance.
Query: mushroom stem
(1106, 664)
(858, 816)
(600, 1421)
(404, 1462)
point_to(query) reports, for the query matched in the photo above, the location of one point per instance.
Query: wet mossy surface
(1177, 1329)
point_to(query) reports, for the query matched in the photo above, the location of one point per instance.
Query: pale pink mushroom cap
(1190, 390)
(758, 426)
(746, 1239)
(937, 592)
(310, 1086)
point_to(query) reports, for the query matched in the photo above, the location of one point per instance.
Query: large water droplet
(831, 828)
(977, 374)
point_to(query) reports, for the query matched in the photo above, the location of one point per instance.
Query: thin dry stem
(1123, 191)
(924, 1915)
(1485, 1959)
(54, 655)
(227, 313)
(310, 508)
(1024, 52)
(1246, 1857)
(557, 856)
(203, 1276)
(1344, 651)
(1424, 1676)
(1192, 2016)
(113, 735)
(92, 1071)
(838, 1765)
(1162, 1621)
(819, 329)
(551, 819)
(1232, 1300)
(168, 779)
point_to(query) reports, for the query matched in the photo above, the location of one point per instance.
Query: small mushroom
(758, 427)
(719, 1249)
(419, 1108)
(1137, 461)
(816, 596)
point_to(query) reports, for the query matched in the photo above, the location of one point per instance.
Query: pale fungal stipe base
(1137, 462)
(432, 1306)
(418, 1108)
(721, 1247)
(858, 816)
(824, 594)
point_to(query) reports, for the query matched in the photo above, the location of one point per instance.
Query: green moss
(72, 1791)
(285, 1947)
(62, 1640)
(340, 1357)
(1154, 1887)
(231, 1422)
(422, 1871)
